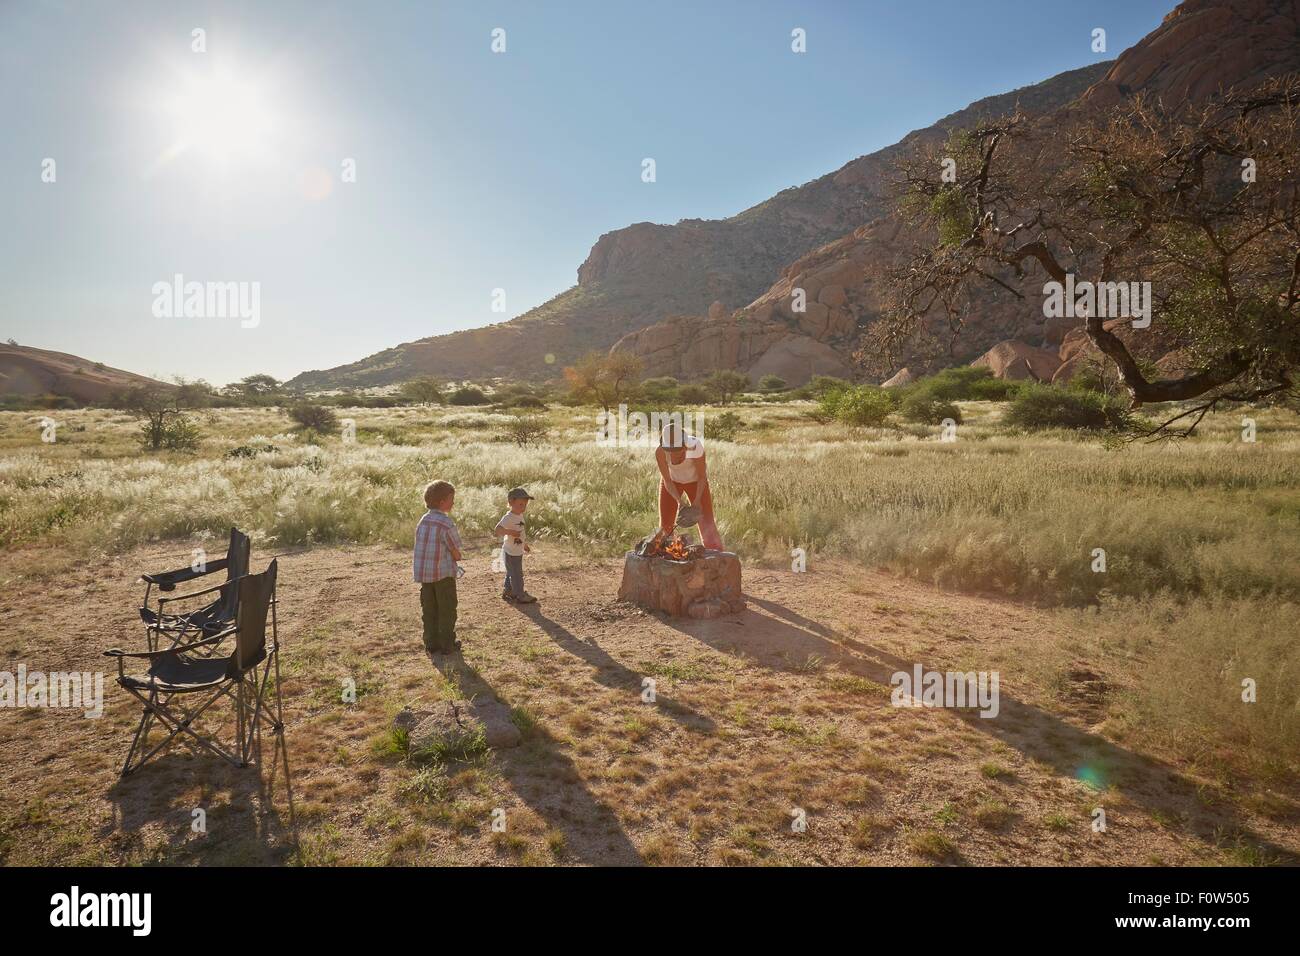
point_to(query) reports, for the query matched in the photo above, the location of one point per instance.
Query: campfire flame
(674, 547)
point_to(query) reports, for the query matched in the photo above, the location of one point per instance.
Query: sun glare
(222, 117)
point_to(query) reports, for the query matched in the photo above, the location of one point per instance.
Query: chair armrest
(150, 655)
(167, 580)
(192, 594)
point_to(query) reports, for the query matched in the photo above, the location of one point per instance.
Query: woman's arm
(661, 458)
(702, 473)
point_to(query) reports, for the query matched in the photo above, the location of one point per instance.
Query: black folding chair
(188, 627)
(180, 685)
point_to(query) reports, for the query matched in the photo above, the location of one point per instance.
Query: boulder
(797, 358)
(1018, 361)
(900, 378)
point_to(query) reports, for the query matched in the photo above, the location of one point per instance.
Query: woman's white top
(686, 472)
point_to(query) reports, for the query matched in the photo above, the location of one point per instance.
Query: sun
(221, 116)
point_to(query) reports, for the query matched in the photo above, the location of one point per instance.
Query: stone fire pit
(705, 585)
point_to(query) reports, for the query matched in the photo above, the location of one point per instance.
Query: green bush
(926, 409)
(771, 383)
(316, 417)
(860, 405)
(660, 391)
(692, 394)
(725, 427)
(523, 401)
(963, 383)
(467, 395)
(819, 385)
(1042, 406)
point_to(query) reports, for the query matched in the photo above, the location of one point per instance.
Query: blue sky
(475, 171)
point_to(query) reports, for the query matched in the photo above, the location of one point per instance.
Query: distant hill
(28, 372)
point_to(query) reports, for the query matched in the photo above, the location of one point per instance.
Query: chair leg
(140, 739)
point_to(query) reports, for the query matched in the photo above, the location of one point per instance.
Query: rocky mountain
(29, 372)
(1201, 48)
(643, 273)
(706, 294)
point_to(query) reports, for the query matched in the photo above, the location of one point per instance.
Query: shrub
(526, 430)
(860, 405)
(692, 395)
(963, 383)
(725, 384)
(467, 395)
(523, 401)
(250, 451)
(819, 385)
(992, 389)
(316, 417)
(725, 427)
(1042, 406)
(660, 391)
(926, 409)
(422, 391)
(771, 383)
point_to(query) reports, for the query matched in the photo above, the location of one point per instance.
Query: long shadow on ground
(547, 780)
(1039, 735)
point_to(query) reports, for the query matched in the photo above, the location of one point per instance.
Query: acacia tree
(1200, 201)
(603, 378)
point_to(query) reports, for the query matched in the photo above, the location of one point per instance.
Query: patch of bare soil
(770, 738)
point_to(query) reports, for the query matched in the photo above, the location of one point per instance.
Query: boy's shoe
(525, 598)
(507, 596)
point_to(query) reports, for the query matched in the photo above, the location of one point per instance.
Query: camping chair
(177, 676)
(215, 616)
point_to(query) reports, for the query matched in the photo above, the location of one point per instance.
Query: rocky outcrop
(899, 379)
(1204, 47)
(706, 271)
(647, 272)
(30, 372)
(1017, 361)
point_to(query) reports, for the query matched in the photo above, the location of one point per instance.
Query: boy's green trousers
(438, 601)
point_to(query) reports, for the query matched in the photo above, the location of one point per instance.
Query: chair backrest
(256, 591)
(238, 558)
(238, 555)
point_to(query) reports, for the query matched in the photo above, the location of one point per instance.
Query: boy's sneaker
(525, 598)
(507, 596)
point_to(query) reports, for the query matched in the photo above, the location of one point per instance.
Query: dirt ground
(761, 720)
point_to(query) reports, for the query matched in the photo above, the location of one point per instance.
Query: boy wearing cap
(514, 545)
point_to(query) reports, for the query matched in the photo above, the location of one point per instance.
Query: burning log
(675, 547)
(666, 572)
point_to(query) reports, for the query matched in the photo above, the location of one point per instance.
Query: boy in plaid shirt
(437, 549)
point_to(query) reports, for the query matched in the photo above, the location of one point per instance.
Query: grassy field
(1201, 586)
